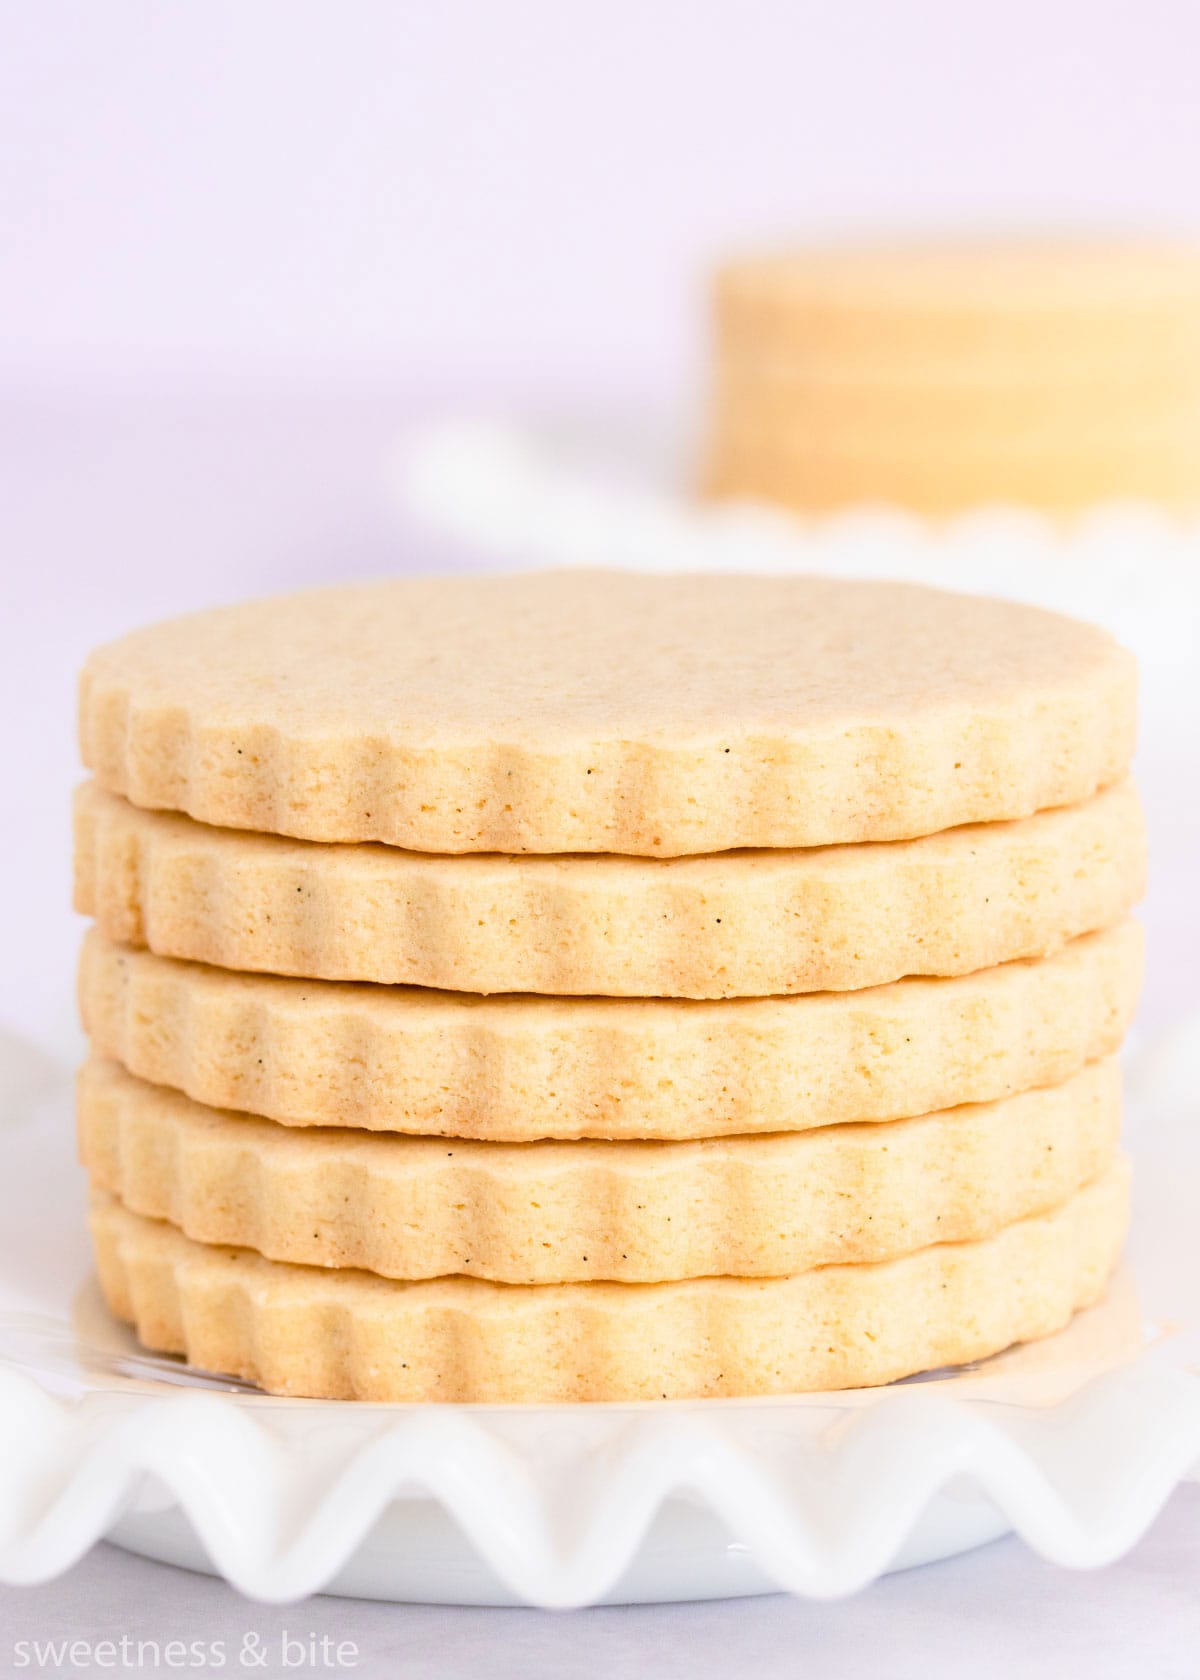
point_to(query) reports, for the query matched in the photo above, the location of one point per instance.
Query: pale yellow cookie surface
(512, 1068)
(350, 1335)
(528, 1213)
(610, 712)
(743, 924)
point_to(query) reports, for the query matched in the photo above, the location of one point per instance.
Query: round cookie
(610, 712)
(1155, 463)
(943, 376)
(514, 1068)
(350, 1335)
(526, 1213)
(985, 310)
(743, 924)
(768, 404)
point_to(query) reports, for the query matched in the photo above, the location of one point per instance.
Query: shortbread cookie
(745, 924)
(943, 376)
(526, 1213)
(350, 1335)
(596, 712)
(983, 310)
(404, 1059)
(777, 401)
(1152, 464)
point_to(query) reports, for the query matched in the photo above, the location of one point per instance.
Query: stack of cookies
(593, 986)
(938, 377)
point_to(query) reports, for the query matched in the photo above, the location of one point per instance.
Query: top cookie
(609, 712)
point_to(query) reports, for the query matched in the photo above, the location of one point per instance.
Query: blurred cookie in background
(943, 376)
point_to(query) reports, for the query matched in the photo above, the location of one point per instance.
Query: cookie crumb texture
(610, 712)
(745, 924)
(350, 1335)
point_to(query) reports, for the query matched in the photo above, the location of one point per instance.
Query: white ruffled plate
(1075, 1443)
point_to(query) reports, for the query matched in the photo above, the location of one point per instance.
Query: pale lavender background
(526, 190)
